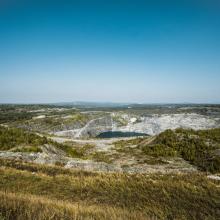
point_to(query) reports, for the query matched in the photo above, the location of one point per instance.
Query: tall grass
(170, 196)
(15, 206)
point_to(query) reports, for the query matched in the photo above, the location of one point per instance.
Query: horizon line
(108, 102)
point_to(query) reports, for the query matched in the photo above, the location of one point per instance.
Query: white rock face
(91, 129)
(40, 117)
(133, 120)
(214, 177)
(150, 125)
(157, 123)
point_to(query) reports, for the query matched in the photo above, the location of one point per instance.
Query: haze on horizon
(120, 51)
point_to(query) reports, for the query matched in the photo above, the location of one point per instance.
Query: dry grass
(28, 207)
(88, 195)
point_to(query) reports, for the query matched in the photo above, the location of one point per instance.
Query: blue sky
(118, 51)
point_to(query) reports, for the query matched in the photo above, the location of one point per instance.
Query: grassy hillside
(19, 140)
(31, 191)
(66, 194)
(197, 147)
(200, 148)
(12, 137)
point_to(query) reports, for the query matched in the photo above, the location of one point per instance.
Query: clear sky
(118, 51)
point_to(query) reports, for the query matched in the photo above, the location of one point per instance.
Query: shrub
(194, 146)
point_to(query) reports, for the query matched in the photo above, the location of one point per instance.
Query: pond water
(114, 134)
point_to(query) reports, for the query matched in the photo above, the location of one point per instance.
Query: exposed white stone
(39, 117)
(133, 120)
(214, 177)
(157, 123)
(151, 125)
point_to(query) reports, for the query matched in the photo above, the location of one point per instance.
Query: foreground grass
(104, 195)
(29, 207)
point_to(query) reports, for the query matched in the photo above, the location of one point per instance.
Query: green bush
(12, 137)
(194, 146)
(159, 150)
(28, 149)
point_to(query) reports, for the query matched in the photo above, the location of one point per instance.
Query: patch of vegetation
(28, 149)
(124, 143)
(210, 134)
(59, 122)
(22, 113)
(100, 157)
(121, 121)
(73, 150)
(69, 150)
(56, 118)
(19, 207)
(9, 113)
(194, 146)
(134, 148)
(13, 137)
(78, 117)
(104, 195)
(154, 161)
(41, 168)
(124, 149)
(197, 147)
(159, 150)
(24, 141)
